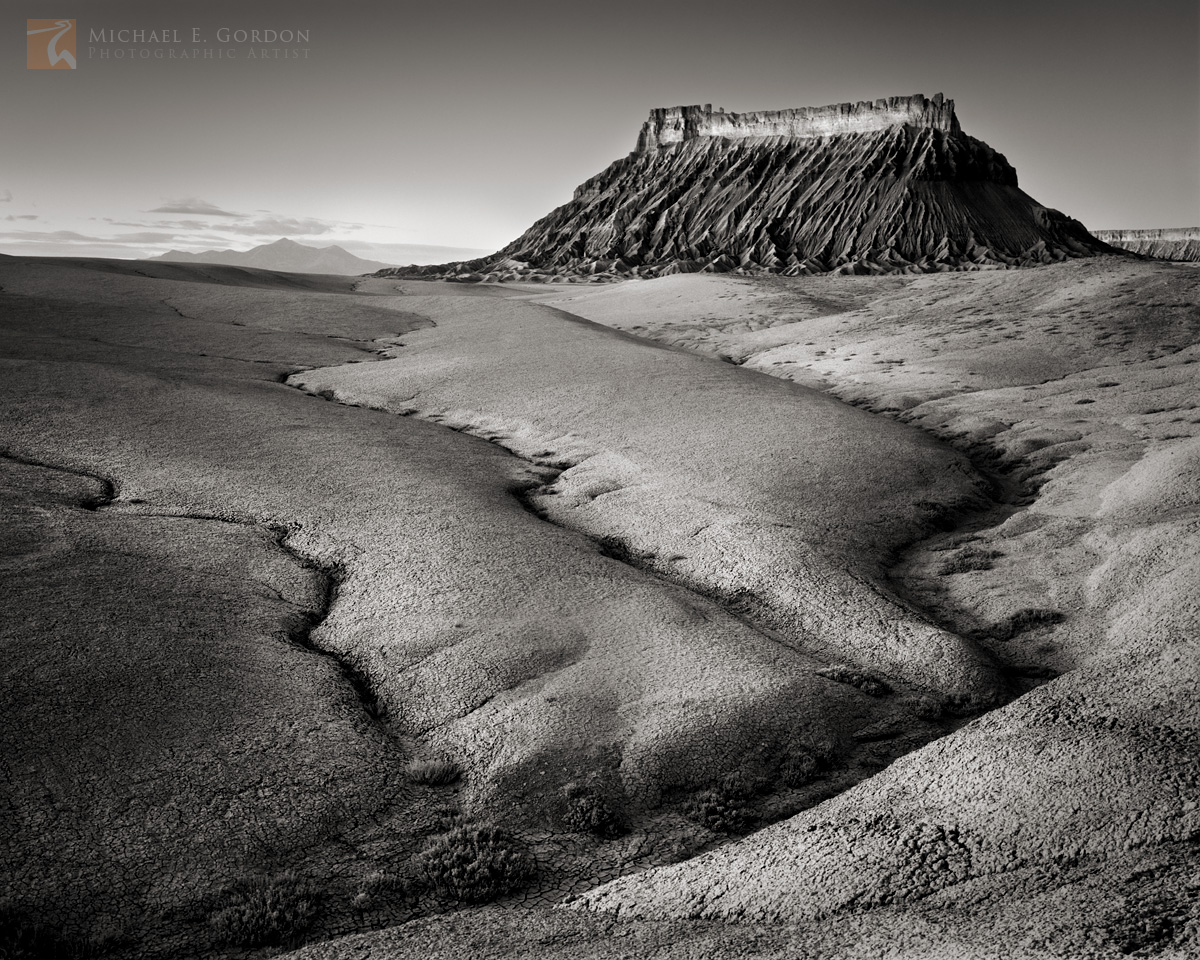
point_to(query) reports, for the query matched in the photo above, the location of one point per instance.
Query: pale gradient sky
(459, 125)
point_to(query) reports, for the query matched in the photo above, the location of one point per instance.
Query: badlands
(862, 611)
(725, 613)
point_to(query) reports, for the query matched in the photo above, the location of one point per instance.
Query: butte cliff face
(1172, 243)
(671, 125)
(892, 185)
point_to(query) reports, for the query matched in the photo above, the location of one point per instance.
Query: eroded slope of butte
(890, 186)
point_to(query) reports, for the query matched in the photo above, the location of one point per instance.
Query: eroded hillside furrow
(326, 577)
(903, 715)
(189, 736)
(103, 497)
(907, 716)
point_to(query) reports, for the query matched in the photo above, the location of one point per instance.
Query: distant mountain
(887, 186)
(283, 254)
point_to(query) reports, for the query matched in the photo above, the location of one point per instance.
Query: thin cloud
(286, 226)
(160, 224)
(194, 206)
(145, 236)
(6, 197)
(411, 252)
(70, 236)
(51, 236)
(185, 233)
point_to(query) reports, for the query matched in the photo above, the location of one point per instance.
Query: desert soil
(268, 539)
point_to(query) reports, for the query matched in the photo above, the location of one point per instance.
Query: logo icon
(50, 44)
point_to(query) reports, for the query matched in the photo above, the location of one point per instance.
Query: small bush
(741, 785)
(868, 683)
(719, 811)
(798, 769)
(726, 807)
(24, 939)
(443, 819)
(434, 773)
(941, 706)
(383, 887)
(587, 811)
(475, 864)
(260, 911)
(931, 708)
(968, 560)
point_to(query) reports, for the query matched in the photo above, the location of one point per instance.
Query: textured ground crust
(248, 579)
(237, 607)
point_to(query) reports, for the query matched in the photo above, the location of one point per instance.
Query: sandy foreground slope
(1078, 801)
(1065, 823)
(235, 610)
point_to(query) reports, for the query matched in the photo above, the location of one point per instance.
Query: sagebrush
(257, 911)
(797, 769)
(475, 864)
(22, 938)
(725, 807)
(587, 810)
(386, 887)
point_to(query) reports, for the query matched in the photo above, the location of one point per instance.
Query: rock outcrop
(669, 125)
(1172, 243)
(887, 186)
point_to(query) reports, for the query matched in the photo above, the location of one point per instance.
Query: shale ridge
(1176, 243)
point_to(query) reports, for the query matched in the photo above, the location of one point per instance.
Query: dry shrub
(798, 769)
(587, 810)
(385, 887)
(475, 864)
(22, 938)
(727, 806)
(265, 910)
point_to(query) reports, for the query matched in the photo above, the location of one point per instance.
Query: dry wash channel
(514, 645)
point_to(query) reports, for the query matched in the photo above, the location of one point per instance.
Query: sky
(398, 126)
